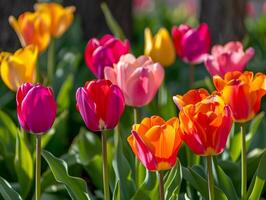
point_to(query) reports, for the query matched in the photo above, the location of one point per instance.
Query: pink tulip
(191, 44)
(100, 104)
(139, 78)
(104, 53)
(36, 108)
(228, 58)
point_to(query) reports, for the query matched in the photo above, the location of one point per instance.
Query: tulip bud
(139, 78)
(160, 47)
(205, 122)
(192, 44)
(100, 104)
(104, 53)
(228, 58)
(20, 67)
(36, 108)
(32, 28)
(156, 142)
(61, 18)
(243, 92)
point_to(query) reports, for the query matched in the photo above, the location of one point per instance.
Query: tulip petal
(143, 153)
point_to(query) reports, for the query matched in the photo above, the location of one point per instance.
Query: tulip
(61, 18)
(228, 58)
(191, 44)
(20, 67)
(139, 78)
(104, 53)
(156, 142)
(32, 28)
(243, 92)
(100, 104)
(205, 123)
(160, 47)
(36, 108)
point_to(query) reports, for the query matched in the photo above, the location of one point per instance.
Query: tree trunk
(8, 38)
(93, 21)
(225, 19)
(92, 18)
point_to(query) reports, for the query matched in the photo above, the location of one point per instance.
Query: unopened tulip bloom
(243, 92)
(32, 28)
(36, 108)
(156, 142)
(20, 67)
(104, 53)
(192, 44)
(159, 47)
(205, 123)
(61, 18)
(139, 78)
(100, 104)
(228, 58)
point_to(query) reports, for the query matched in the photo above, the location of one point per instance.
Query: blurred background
(228, 20)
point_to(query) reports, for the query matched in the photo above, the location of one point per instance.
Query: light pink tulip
(139, 78)
(228, 58)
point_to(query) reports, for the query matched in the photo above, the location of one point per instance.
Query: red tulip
(192, 44)
(36, 108)
(104, 53)
(100, 104)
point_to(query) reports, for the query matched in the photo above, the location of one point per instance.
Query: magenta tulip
(36, 108)
(104, 53)
(139, 78)
(228, 58)
(192, 44)
(100, 104)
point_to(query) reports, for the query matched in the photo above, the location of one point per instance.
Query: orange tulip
(61, 18)
(243, 92)
(32, 28)
(205, 122)
(156, 142)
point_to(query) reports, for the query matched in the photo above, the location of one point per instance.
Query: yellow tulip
(160, 47)
(61, 18)
(20, 67)
(32, 28)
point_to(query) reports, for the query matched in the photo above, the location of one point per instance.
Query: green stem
(38, 168)
(105, 167)
(50, 62)
(191, 75)
(161, 185)
(210, 178)
(243, 164)
(135, 113)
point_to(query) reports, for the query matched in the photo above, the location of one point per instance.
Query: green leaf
(235, 147)
(63, 98)
(116, 194)
(111, 22)
(149, 188)
(201, 184)
(23, 165)
(253, 128)
(260, 179)
(173, 182)
(224, 182)
(123, 171)
(76, 187)
(7, 192)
